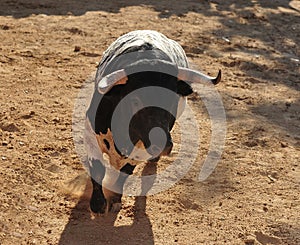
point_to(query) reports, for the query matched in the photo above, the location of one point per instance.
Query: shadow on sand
(83, 229)
(24, 8)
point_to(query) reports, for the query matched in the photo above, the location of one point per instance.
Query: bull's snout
(156, 150)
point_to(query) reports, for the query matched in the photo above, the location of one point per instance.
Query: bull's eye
(136, 104)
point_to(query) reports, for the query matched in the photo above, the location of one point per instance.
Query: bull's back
(140, 38)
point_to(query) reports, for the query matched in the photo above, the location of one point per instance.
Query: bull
(137, 61)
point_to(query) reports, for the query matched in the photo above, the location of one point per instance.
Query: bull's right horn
(112, 79)
(193, 76)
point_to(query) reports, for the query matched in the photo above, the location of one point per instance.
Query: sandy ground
(253, 195)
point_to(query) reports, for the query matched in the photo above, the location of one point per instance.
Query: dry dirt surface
(49, 48)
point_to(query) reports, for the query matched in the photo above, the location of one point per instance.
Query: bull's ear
(183, 88)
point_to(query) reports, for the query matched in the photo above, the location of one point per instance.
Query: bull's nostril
(169, 144)
(168, 148)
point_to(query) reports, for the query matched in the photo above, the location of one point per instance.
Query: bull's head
(151, 109)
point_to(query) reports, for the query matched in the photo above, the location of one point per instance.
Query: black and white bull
(135, 61)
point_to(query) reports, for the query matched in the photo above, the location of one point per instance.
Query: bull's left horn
(193, 76)
(114, 78)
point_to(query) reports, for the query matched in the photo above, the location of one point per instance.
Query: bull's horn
(190, 75)
(114, 78)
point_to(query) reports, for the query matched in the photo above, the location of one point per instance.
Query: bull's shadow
(83, 229)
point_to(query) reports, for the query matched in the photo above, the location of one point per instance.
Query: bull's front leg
(97, 172)
(114, 198)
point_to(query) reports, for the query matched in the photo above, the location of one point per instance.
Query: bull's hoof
(98, 204)
(114, 203)
(115, 207)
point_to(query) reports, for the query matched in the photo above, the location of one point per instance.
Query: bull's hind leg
(97, 172)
